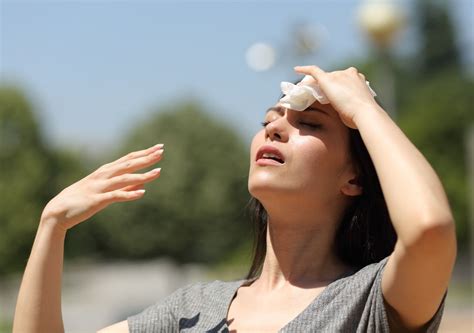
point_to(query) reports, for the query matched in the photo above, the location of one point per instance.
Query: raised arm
(38, 307)
(417, 273)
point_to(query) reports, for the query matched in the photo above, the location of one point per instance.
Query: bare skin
(38, 306)
(304, 198)
(415, 198)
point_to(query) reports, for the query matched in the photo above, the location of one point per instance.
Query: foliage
(23, 178)
(435, 99)
(438, 47)
(437, 108)
(195, 211)
(29, 177)
(436, 120)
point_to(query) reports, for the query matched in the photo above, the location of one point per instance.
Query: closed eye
(311, 126)
(264, 123)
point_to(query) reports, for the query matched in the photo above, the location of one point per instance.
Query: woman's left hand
(346, 91)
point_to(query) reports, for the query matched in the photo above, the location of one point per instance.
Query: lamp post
(382, 20)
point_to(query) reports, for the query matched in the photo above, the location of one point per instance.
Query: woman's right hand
(112, 182)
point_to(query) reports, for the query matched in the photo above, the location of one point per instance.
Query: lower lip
(267, 161)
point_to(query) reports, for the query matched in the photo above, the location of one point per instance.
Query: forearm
(415, 197)
(38, 306)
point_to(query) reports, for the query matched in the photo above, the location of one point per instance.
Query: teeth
(270, 155)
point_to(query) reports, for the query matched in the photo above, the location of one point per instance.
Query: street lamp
(382, 20)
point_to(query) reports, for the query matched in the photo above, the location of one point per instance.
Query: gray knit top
(352, 303)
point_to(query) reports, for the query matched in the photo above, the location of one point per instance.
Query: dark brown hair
(365, 234)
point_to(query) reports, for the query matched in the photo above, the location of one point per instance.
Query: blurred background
(84, 82)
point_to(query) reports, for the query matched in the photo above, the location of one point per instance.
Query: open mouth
(274, 157)
(269, 154)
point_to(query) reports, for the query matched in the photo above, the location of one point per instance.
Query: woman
(306, 180)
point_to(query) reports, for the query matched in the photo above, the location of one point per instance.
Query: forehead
(325, 109)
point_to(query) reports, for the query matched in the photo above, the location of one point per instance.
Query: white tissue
(299, 97)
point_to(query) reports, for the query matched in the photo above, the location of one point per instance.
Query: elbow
(437, 235)
(440, 225)
(431, 233)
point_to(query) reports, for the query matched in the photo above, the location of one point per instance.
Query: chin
(264, 186)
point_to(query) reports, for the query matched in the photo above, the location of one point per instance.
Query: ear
(352, 188)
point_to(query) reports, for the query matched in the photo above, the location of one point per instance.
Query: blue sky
(93, 68)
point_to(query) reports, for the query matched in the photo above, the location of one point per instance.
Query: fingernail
(160, 145)
(158, 152)
(155, 170)
(140, 191)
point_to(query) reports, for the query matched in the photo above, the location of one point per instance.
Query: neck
(300, 250)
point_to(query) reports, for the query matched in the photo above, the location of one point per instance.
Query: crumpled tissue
(298, 97)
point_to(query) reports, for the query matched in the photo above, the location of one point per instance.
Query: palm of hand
(112, 182)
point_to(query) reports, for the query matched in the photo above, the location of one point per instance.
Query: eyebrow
(317, 109)
(280, 109)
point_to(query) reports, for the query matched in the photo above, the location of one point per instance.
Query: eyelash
(311, 126)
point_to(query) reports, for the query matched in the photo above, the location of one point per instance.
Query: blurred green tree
(437, 110)
(195, 211)
(438, 42)
(23, 177)
(30, 175)
(435, 98)
(436, 120)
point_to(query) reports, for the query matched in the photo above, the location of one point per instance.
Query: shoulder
(362, 291)
(200, 305)
(195, 295)
(183, 304)
(200, 291)
(372, 268)
(365, 276)
(211, 286)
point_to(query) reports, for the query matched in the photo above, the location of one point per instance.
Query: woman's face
(302, 154)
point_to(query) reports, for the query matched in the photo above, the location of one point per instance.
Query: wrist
(52, 224)
(368, 114)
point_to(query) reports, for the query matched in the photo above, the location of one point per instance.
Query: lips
(269, 155)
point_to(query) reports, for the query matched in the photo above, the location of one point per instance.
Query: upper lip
(267, 149)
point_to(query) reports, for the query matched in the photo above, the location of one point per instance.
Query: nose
(277, 130)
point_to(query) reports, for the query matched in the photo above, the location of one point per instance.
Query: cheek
(311, 152)
(257, 141)
(317, 164)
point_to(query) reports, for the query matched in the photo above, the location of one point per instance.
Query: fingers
(314, 71)
(353, 70)
(132, 155)
(133, 187)
(131, 164)
(127, 187)
(130, 180)
(119, 196)
(139, 153)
